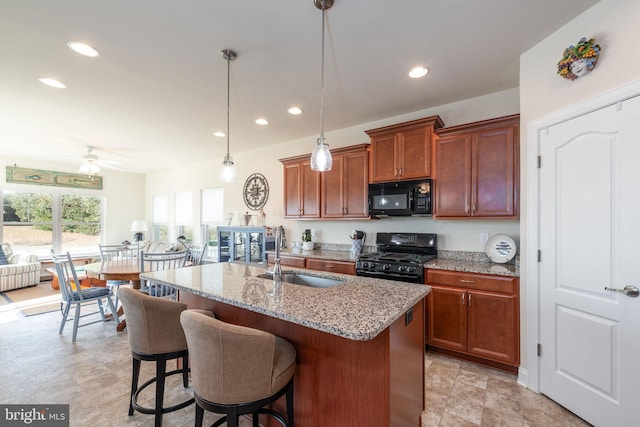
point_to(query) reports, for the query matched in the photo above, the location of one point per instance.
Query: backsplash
(466, 256)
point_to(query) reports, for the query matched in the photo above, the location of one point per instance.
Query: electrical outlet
(483, 238)
(313, 234)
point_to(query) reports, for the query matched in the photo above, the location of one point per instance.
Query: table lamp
(138, 226)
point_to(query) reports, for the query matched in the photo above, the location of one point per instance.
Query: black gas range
(399, 256)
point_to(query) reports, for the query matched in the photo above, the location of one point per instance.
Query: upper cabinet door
(302, 189)
(332, 183)
(402, 151)
(292, 189)
(476, 172)
(453, 176)
(355, 188)
(344, 188)
(310, 201)
(414, 153)
(383, 165)
(494, 173)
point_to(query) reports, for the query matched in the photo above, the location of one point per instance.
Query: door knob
(630, 291)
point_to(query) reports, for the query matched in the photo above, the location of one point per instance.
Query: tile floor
(93, 375)
(463, 394)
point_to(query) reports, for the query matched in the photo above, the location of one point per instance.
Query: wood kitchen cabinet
(301, 188)
(477, 169)
(331, 266)
(344, 189)
(287, 260)
(403, 151)
(474, 316)
(321, 264)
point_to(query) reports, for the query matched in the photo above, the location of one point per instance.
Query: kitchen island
(360, 344)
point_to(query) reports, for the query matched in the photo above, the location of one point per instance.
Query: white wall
(455, 235)
(614, 25)
(124, 193)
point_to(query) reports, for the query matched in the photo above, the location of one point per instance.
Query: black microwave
(401, 198)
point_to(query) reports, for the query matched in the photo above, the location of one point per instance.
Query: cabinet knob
(466, 281)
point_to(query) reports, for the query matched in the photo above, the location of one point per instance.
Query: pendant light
(228, 171)
(321, 157)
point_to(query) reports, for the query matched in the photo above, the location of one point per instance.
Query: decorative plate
(256, 191)
(500, 248)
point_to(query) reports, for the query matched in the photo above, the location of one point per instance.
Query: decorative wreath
(579, 60)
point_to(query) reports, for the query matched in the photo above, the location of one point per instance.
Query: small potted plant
(307, 244)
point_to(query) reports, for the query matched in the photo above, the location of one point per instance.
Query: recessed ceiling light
(262, 122)
(418, 72)
(219, 134)
(52, 82)
(83, 49)
(295, 111)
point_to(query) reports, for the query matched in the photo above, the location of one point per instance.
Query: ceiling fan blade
(109, 162)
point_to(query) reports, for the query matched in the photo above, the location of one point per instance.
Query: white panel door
(589, 241)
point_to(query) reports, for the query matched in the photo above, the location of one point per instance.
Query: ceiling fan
(91, 163)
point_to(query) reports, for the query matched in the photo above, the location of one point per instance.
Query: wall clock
(256, 191)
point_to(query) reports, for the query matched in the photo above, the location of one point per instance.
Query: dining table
(126, 269)
(122, 269)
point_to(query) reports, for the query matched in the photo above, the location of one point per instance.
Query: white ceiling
(158, 90)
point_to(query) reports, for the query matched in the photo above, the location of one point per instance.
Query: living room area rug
(32, 300)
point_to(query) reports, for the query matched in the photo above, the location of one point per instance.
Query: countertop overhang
(359, 309)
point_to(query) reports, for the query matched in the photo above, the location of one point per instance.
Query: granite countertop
(511, 270)
(359, 309)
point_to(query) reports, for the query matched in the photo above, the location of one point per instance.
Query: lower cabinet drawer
(331, 266)
(290, 261)
(481, 282)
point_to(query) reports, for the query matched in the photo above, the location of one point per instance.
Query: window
(184, 215)
(212, 215)
(160, 226)
(35, 222)
(80, 223)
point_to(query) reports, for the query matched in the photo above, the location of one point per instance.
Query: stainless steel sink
(304, 279)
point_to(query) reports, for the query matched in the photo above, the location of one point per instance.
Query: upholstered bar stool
(155, 334)
(237, 370)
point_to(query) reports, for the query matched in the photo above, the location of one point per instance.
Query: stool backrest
(153, 324)
(229, 363)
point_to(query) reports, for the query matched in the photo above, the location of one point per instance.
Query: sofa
(20, 271)
(155, 247)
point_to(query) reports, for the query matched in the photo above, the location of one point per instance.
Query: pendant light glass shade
(228, 171)
(321, 159)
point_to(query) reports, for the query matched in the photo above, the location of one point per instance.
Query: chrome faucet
(277, 270)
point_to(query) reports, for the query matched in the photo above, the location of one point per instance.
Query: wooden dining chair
(73, 294)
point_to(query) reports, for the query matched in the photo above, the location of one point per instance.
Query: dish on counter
(500, 248)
